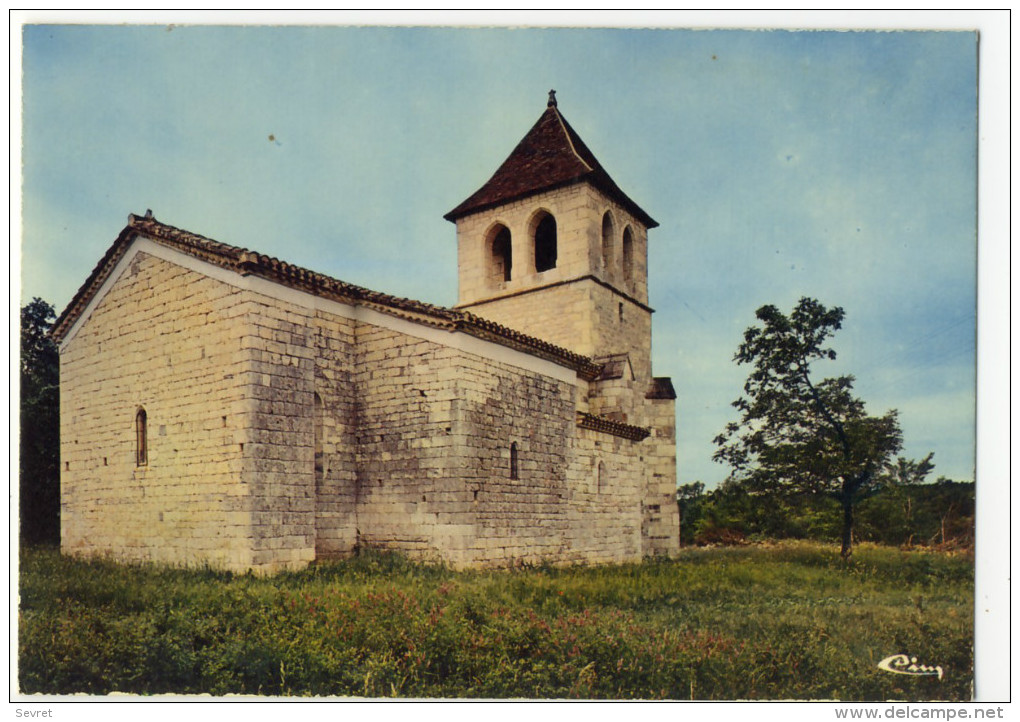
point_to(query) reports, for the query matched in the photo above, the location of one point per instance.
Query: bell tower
(552, 247)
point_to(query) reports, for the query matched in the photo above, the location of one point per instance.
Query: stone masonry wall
(521, 514)
(606, 485)
(435, 428)
(165, 339)
(565, 305)
(279, 449)
(567, 206)
(578, 210)
(621, 327)
(661, 530)
(409, 498)
(562, 315)
(279, 434)
(583, 316)
(302, 460)
(336, 483)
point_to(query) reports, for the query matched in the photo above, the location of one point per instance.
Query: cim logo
(904, 664)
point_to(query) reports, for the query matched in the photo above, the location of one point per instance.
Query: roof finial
(552, 99)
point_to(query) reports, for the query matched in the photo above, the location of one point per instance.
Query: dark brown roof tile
(609, 426)
(550, 155)
(661, 388)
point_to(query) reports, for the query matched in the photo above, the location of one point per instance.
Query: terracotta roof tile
(549, 156)
(245, 261)
(609, 426)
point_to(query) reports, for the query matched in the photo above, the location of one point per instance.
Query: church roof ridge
(550, 155)
(246, 261)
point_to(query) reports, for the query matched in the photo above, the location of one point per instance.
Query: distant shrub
(719, 535)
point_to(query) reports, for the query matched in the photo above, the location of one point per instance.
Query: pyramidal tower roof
(550, 156)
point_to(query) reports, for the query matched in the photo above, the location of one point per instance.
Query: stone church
(225, 407)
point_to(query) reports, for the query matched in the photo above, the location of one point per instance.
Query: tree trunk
(848, 528)
(942, 526)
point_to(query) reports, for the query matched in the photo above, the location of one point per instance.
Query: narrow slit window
(141, 438)
(317, 433)
(513, 460)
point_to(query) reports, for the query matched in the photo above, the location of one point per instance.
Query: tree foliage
(798, 434)
(689, 498)
(939, 513)
(907, 472)
(39, 461)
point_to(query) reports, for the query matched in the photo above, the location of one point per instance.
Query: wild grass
(787, 621)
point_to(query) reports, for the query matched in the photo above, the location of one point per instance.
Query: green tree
(899, 478)
(939, 512)
(689, 498)
(908, 472)
(39, 460)
(895, 511)
(798, 434)
(953, 507)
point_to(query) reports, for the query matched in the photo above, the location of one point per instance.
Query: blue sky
(838, 165)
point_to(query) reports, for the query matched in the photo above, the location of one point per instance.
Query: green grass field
(788, 621)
